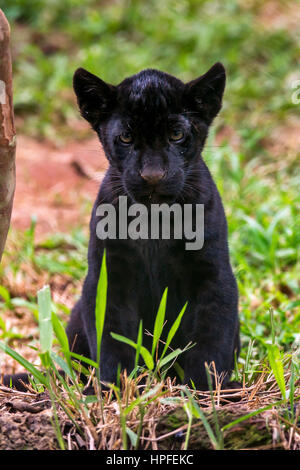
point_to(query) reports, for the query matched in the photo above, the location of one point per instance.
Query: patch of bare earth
(54, 184)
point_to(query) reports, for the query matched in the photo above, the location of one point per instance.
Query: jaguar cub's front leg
(121, 315)
(213, 326)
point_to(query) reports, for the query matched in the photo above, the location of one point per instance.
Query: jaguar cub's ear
(95, 97)
(204, 94)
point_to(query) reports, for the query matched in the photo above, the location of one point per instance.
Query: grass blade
(218, 431)
(101, 300)
(198, 413)
(27, 365)
(277, 367)
(170, 357)
(254, 413)
(132, 436)
(60, 334)
(144, 352)
(159, 321)
(173, 330)
(138, 347)
(84, 359)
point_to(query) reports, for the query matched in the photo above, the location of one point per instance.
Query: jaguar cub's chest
(152, 253)
(161, 267)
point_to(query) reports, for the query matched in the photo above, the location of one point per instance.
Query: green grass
(119, 38)
(67, 392)
(263, 216)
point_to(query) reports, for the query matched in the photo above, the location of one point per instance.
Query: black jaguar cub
(153, 128)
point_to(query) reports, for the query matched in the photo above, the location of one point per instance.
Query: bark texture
(7, 133)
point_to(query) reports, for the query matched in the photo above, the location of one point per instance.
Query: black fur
(148, 108)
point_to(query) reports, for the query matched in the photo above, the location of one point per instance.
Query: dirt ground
(25, 422)
(54, 183)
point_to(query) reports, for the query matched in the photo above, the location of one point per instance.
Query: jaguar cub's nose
(152, 175)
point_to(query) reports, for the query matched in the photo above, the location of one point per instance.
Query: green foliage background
(119, 38)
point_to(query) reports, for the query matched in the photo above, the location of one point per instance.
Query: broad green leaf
(45, 324)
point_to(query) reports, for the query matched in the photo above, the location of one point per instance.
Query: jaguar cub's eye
(176, 135)
(126, 138)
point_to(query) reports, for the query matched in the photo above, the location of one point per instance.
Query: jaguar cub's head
(152, 127)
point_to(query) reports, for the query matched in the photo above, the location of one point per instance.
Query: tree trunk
(7, 133)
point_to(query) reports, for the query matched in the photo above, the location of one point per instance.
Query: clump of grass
(133, 401)
(46, 380)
